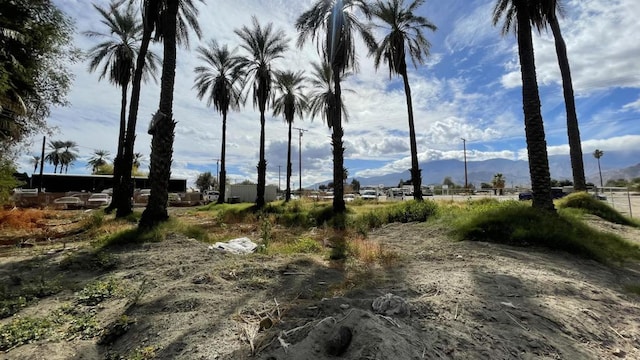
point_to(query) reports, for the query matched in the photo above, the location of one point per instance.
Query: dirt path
(464, 301)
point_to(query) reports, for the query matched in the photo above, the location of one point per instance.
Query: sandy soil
(451, 300)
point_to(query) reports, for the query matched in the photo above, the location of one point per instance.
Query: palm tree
(550, 9)
(116, 57)
(98, 159)
(154, 17)
(498, 182)
(137, 160)
(322, 101)
(35, 161)
(264, 45)
(220, 81)
(173, 31)
(53, 157)
(289, 101)
(337, 20)
(68, 155)
(598, 154)
(524, 12)
(403, 32)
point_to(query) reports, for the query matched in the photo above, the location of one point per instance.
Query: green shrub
(588, 204)
(519, 224)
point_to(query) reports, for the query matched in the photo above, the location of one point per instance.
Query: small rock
(619, 353)
(266, 323)
(339, 342)
(344, 306)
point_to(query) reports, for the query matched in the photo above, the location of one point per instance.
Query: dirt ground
(439, 300)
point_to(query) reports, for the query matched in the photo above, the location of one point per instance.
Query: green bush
(519, 224)
(588, 204)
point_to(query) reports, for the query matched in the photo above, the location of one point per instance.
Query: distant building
(93, 183)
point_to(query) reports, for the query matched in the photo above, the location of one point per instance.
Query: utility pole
(44, 138)
(300, 132)
(464, 145)
(217, 173)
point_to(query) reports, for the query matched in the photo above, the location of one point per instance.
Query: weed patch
(588, 204)
(514, 223)
(22, 331)
(97, 292)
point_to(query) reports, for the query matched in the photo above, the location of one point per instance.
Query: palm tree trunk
(288, 193)
(117, 167)
(125, 207)
(416, 175)
(222, 181)
(534, 126)
(163, 130)
(573, 131)
(262, 163)
(338, 149)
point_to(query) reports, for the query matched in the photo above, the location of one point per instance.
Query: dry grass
(371, 252)
(20, 219)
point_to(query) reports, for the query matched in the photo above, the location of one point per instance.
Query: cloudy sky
(470, 88)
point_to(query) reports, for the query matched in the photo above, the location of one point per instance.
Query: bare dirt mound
(477, 300)
(457, 300)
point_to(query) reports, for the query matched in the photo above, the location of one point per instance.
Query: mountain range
(615, 165)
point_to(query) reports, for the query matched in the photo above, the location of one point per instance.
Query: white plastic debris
(241, 245)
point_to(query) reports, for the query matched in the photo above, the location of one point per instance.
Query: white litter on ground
(241, 245)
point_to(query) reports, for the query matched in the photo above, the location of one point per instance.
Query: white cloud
(456, 95)
(597, 37)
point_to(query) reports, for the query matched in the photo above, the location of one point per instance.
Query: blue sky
(469, 88)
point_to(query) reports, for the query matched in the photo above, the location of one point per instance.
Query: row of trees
(227, 79)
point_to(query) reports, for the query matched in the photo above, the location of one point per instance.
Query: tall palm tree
(154, 22)
(598, 154)
(322, 100)
(550, 11)
(289, 100)
(337, 20)
(54, 157)
(173, 31)
(220, 81)
(68, 155)
(116, 56)
(403, 36)
(264, 45)
(98, 159)
(519, 14)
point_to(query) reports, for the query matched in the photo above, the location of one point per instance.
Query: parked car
(349, 197)
(142, 196)
(209, 196)
(525, 195)
(98, 200)
(70, 202)
(556, 193)
(369, 195)
(174, 199)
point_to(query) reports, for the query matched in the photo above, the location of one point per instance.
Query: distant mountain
(615, 165)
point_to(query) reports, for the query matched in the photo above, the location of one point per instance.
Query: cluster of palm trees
(63, 154)
(521, 15)
(227, 77)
